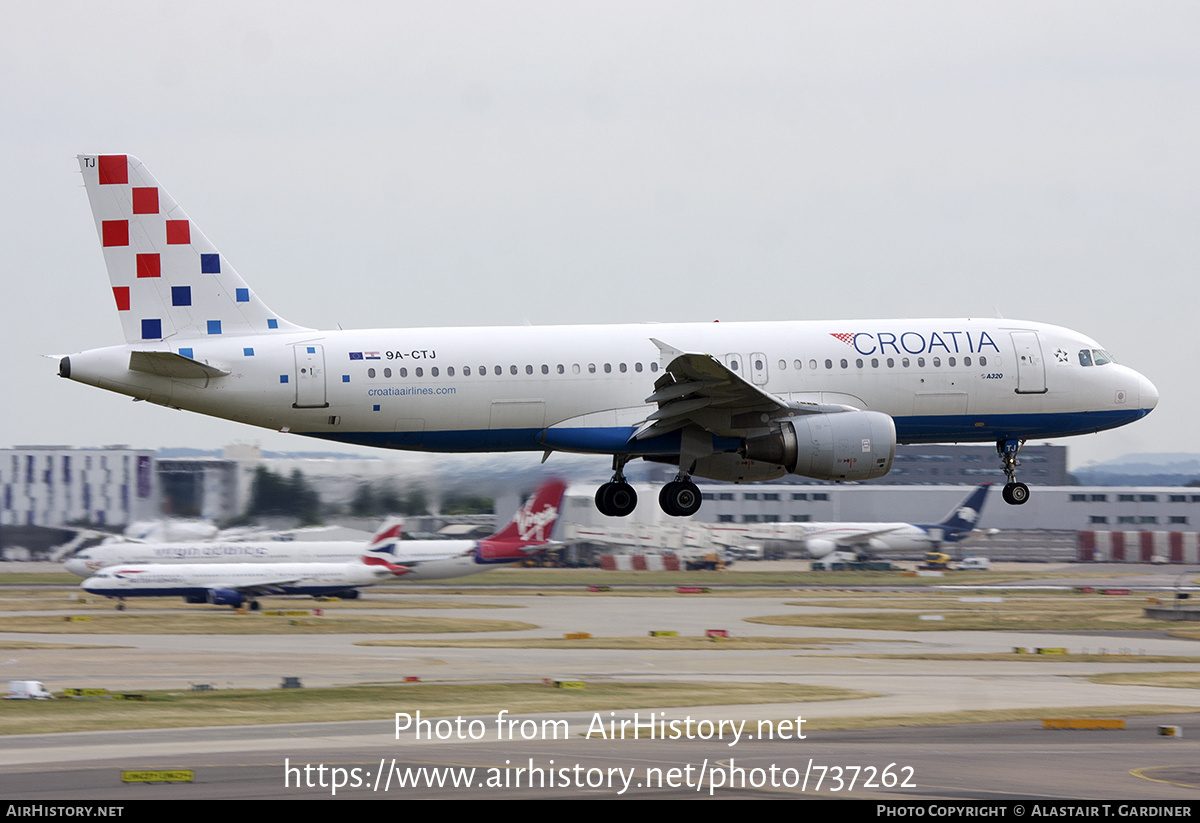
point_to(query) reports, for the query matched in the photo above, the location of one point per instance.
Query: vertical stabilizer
(168, 279)
(965, 515)
(530, 527)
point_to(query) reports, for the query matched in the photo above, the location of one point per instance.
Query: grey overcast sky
(462, 163)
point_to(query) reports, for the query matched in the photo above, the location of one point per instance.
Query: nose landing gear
(1015, 494)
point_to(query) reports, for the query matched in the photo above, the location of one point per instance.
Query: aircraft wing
(258, 587)
(699, 389)
(860, 538)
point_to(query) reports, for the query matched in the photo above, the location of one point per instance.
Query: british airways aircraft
(386, 558)
(726, 401)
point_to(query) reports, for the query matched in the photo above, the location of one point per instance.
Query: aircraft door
(310, 377)
(1031, 369)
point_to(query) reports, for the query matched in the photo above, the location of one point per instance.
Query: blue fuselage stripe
(911, 429)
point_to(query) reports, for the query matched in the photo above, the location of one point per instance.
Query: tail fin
(168, 279)
(381, 551)
(965, 515)
(531, 526)
(384, 541)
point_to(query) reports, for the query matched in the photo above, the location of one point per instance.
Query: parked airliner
(386, 558)
(819, 539)
(727, 401)
(824, 539)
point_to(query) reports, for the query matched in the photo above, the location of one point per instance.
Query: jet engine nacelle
(850, 445)
(819, 546)
(225, 597)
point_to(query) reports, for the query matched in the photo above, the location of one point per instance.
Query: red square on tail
(148, 266)
(115, 232)
(121, 293)
(179, 233)
(114, 168)
(145, 200)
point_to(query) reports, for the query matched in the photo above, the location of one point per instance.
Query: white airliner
(823, 539)
(91, 560)
(727, 401)
(386, 558)
(819, 539)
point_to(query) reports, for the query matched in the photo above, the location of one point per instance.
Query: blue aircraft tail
(961, 520)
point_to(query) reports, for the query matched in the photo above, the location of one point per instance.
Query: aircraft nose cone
(1148, 394)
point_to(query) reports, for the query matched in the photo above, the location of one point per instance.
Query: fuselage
(425, 560)
(88, 561)
(584, 388)
(195, 580)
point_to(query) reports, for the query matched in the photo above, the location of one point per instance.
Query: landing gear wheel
(1015, 494)
(254, 606)
(616, 499)
(680, 498)
(121, 606)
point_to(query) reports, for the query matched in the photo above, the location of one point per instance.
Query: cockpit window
(1095, 357)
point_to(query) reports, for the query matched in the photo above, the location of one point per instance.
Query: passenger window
(512, 369)
(623, 368)
(608, 368)
(654, 367)
(637, 367)
(370, 372)
(874, 362)
(434, 371)
(845, 363)
(920, 362)
(528, 369)
(812, 364)
(466, 371)
(420, 372)
(404, 372)
(499, 370)
(937, 362)
(829, 364)
(545, 369)
(891, 363)
(559, 368)
(591, 368)
(950, 362)
(982, 360)
(966, 361)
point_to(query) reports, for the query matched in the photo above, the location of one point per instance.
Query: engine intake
(852, 445)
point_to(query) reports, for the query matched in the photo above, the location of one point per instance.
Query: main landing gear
(681, 497)
(1015, 494)
(616, 498)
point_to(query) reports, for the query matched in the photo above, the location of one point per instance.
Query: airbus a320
(727, 401)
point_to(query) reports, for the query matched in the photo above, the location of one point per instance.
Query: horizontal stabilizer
(170, 364)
